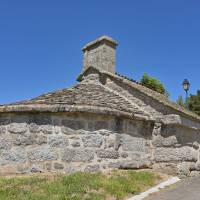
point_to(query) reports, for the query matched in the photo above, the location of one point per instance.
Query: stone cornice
(41, 108)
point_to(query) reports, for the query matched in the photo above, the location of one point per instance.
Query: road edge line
(155, 189)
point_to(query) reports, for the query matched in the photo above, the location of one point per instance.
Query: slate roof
(97, 96)
(90, 94)
(81, 94)
(149, 92)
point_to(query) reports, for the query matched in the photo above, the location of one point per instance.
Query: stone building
(106, 121)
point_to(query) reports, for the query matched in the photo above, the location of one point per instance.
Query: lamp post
(186, 87)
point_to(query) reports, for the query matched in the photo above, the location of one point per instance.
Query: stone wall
(67, 143)
(90, 142)
(176, 149)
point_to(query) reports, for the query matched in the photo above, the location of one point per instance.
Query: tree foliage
(194, 102)
(181, 101)
(153, 84)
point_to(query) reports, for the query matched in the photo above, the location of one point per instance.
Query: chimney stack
(101, 54)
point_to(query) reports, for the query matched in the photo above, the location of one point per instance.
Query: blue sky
(41, 41)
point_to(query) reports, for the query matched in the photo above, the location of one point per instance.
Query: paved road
(188, 189)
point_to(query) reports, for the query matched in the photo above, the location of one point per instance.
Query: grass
(115, 185)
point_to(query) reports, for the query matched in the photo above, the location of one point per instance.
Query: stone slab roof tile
(151, 93)
(102, 38)
(89, 95)
(96, 96)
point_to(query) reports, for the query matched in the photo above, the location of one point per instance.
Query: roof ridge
(155, 95)
(126, 99)
(168, 101)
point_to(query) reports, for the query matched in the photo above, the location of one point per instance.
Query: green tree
(153, 84)
(181, 101)
(194, 102)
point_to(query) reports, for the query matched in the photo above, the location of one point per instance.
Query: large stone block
(17, 128)
(167, 168)
(92, 140)
(40, 139)
(123, 164)
(36, 169)
(130, 143)
(129, 165)
(68, 131)
(41, 154)
(5, 142)
(75, 143)
(92, 168)
(110, 154)
(46, 129)
(135, 161)
(197, 166)
(58, 166)
(143, 160)
(175, 154)
(2, 129)
(113, 141)
(159, 141)
(171, 119)
(17, 155)
(157, 128)
(77, 155)
(29, 139)
(34, 128)
(25, 139)
(184, 169)
(124, 154)
(58, 141)
(139, 156)
(105, 132)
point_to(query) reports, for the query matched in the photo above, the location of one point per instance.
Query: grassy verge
(115, 185)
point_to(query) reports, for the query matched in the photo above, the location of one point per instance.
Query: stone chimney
(100, 53)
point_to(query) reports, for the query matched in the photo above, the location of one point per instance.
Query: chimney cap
(99, 40)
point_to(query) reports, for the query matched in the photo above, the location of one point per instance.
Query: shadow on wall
(183, 136)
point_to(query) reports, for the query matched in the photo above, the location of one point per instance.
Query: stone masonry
(68, 143)
(106, 121)
(100, 54)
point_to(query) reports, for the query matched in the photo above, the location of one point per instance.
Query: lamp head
(186, 85)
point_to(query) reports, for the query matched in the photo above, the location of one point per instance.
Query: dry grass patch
(114, 185)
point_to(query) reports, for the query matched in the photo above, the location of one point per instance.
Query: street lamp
(186, 87)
